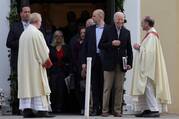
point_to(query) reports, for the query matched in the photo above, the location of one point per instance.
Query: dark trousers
(14, 101)
(14, 92)
(58, 93)
(82, 92)
(97, 83)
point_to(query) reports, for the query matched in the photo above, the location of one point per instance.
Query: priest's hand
(47, 64)
(116, 43)
(136, 46)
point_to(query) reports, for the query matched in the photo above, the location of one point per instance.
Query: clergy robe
(32, 75)
(149, 64)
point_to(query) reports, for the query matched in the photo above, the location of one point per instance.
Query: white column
(4, 60)
(88, 87)
(132, 12)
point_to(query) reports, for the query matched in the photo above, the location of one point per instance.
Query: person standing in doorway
(90, 49)
(13, 43)
(60, 55)
(76, 61)
(116, 45)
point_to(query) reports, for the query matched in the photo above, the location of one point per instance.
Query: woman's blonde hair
(54, 38)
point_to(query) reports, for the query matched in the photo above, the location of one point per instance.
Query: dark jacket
(89, 46)
(65, 63)
(111, 56)
(13, 42)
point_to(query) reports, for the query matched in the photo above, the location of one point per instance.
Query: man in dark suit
(116, 48)
(15, 33)
(13, 43)
(90, 49)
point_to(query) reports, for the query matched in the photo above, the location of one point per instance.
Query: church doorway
(55, 16)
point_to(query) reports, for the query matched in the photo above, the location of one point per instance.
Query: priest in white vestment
(33, 59)
(150, 78)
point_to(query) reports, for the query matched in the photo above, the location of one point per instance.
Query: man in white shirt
(13, 43)
(90, 49)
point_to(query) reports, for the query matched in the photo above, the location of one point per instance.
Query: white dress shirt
(25, 24)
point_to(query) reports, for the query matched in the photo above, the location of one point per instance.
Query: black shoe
(152, 114)
(105, 114)
(46, 114)
(28, 113)
(95, 113)
(141, 114)
(117, 115)
(57, 111)
(82, 112)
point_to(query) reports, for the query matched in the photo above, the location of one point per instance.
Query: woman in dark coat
(60, 57)
(76, 46)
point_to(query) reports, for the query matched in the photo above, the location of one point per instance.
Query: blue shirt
(99, 32)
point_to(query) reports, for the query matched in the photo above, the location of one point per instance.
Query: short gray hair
(34, 17)
(118, 14)
(149, 20)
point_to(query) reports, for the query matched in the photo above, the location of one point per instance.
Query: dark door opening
(54, 12)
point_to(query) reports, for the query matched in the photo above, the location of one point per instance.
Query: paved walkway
(163, 116)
